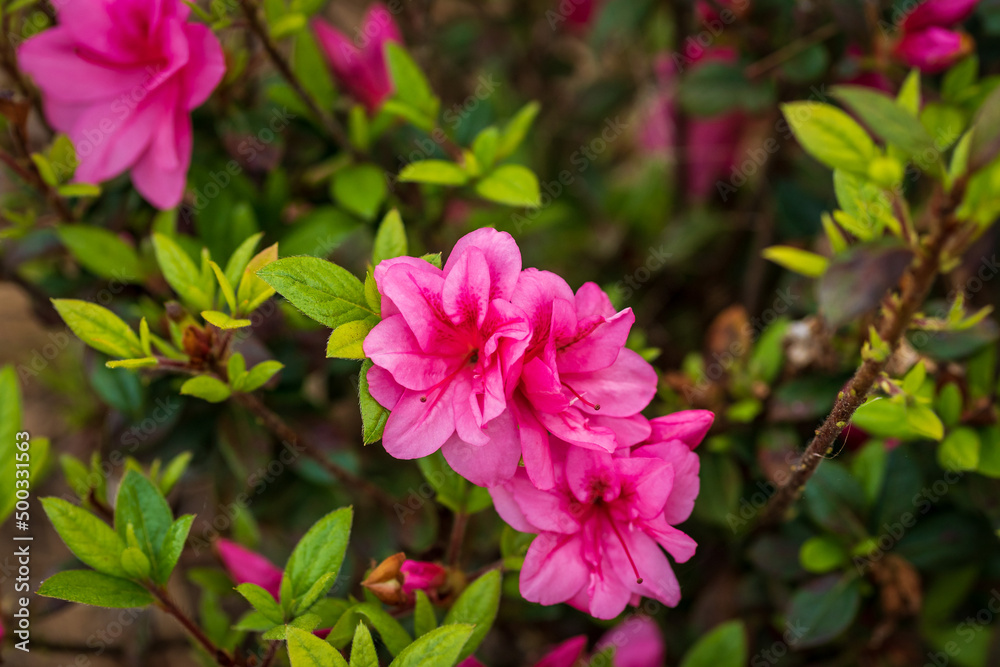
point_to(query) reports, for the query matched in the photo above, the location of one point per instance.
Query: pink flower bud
(423, 576)
(934, 49)
(943, 13)
(247, 567)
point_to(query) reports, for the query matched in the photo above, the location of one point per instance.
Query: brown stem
(277, 426)
(916, 284)
(329, 123)
(454, 552)
(789, 51)
(166, 604)
(272, 651)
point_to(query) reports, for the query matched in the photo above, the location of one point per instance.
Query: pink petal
(938, 13)
(553, 569)
(534, 446)
(677, 543)
(686, 465)
(638, 642)
(416, 291)
(508, 509)
(418, 428)
(565, 654)
(646, 486)
(206, 65)
(658, 579)
(629, 431)
(933, 49)
(247, 567)
(391, 345)
(383, 388)
(621, 390)
(548, 511)
(157, 177)
(592, 475)
(501, 253)
(466, 294)
(687, 426)
(489, 464)
(599, 348)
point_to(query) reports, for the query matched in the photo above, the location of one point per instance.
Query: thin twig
(277, 426)
(329, 123)
(790, 50)
(916, 284)
(166, 604)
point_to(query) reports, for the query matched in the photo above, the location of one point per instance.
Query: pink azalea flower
(638, 642)
(248, 567)
(120, 77)
(421, 575)
(933, 49)
(938, 13)
(360, 64)
(601, 526)
(577, 375)
(445, 353)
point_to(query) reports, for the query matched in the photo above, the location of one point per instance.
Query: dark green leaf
(477, 605)
(824, 609)
(95, 589)
(90, 539)
(320, 289)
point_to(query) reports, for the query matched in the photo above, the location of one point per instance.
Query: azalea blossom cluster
(496, 365)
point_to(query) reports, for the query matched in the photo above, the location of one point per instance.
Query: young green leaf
(424, 619)
(173, 545)
(143, 362)
(411, 87)
(441, 647)
(360, 189)
(262, 601)
(307, 650)
(99, 328)
(90, 539)
(252, 290)
(516, 129)
(223, 321)
(135, 564)
(373, 415)
(960, 450)
(510, 184)
(393, 635)
(391, 238)
(831, 136)
(322, 290)
(319, 553)
(803, 262)
(477, 605)
(103, 253)
(363, 652)
(887, 119)
(724, 646)
(240, 258)
(206, 388)
(824, 608)
(180, 272)
(141, 506)
(821, 554)
(485, 146)
(433, 172)
(346, 340)
(260, 374)
(96, 589)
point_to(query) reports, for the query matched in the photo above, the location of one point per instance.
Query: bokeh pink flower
(927, 39)
(360, 64)
(120, 78)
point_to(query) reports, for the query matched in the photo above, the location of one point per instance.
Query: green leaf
(310, 66)
(821, 554)
(360, 189)
(989, 452)
(985, 145)
(512, 185)
(516, 129)
(424, 618)
(173, 472)
(869, 467)
(45, 169)
(724, 646)
(347, 340)
(207, 388)
(96, 589)
(141, 506)
(433, 172)
(824, 608)
(240, 258)
(363, 652)
(831, 136)
(262, 601)
(411, 87)
(288, 25)
(960, 450)
(477, 605)
(887, 119)
(90, 539)
(322, 290)
(320, 552)
(223, 321)
(799, 261)
(924, 422)
(441, 648)
(252, 290)
(135, 564)
(306, 622)
(391, 238)
(102, 252)
(180, 272)
(143, 362)
(260, 374)
(393, 635)
(227, 289)
(307, 650)
(451, 489)
(236, 371)
(485, 146)
(99, 328)
(173, 545)
(373, 415)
